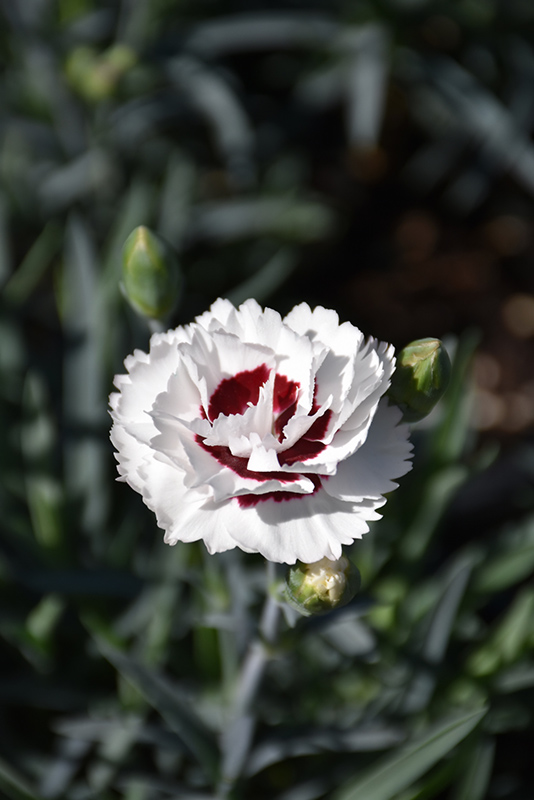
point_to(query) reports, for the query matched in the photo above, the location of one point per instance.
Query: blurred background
(372, 156)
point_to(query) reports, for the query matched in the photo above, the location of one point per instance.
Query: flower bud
(95, 76)
(150, 273)
(420, 378)
(320, 587)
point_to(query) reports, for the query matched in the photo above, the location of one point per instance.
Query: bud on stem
(420, 378)
(95, 76)
(150, 274)
(321, 587)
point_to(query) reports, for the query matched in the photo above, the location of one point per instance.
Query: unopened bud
(96, 76)
(420, 378)
(150, 273)
(320, 587)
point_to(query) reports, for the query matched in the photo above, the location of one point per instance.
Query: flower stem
(155, 326)
(238, 734)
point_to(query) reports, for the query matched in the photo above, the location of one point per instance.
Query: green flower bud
(120, 58)
(420, 379)
(320, 587)
(95, 76)
(150, 273)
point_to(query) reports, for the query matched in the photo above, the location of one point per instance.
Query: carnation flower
(273, 435)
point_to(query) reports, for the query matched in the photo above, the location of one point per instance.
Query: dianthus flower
(273, 435)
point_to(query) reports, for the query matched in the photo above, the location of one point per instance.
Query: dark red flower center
(233, 396)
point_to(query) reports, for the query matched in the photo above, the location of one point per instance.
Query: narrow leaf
(367, 85)
(434, 647)
(60, 772)
(36, 261)
(5, 248)
(171, 704)
(291, 743)
(216, 102)
(83, 380)
(451, 435)
(510, 562)
(475, 780)
(261, 30)
(267, 280)
(438, 493)
(390, 775)
(14, 785)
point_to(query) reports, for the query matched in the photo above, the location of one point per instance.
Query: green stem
(239, 732)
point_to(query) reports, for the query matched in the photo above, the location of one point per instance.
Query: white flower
(243, 429)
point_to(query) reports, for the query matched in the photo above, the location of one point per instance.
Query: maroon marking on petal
(309, 445)
(319, 427)
(285, 393)
(285, 398)
(233, 395)
(239, 465)
(249, 500)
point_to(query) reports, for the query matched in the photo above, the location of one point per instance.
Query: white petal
(307, 528)
(179, 511)
(385, 455)
(300, 424)
(206, 455)
(263, 459)
(130, 456)
(343, 342)
(180, 397)
(256, 420)
(148, 376)
(221, 311)
(222, 482)
(214, 357)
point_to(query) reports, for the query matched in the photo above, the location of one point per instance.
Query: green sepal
(318, 588)
(151, 277)
(420, 378)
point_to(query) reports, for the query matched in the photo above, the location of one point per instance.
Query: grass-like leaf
(390, 775)
(14, 785)
(36, 261)
(173, 707)
(474, 782)
(267, 280)
(291, 743)
(441, 621)
(512, 561)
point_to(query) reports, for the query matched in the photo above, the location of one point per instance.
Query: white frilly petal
(384, 456)
(222, 477)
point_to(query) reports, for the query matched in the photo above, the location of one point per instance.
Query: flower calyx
(151, 277)
(420, 379)
(96, 76)
(314, 589)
